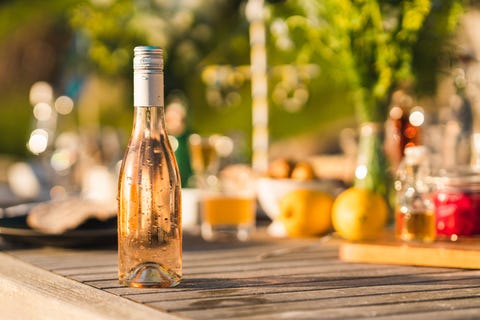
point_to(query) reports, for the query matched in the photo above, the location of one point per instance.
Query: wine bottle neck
(148, 96)
(149, 121)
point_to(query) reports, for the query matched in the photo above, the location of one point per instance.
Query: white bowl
(270, 191)
(190, 208)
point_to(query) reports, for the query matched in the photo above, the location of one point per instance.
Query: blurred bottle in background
(457, 144)
(404, 126)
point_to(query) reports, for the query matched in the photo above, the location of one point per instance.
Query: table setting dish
(76, 226)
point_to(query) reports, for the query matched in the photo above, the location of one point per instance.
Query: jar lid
(463, 178)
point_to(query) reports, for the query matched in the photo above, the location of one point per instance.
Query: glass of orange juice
(228, 209)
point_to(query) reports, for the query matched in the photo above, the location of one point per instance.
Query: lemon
(359, 214)
(306, 213)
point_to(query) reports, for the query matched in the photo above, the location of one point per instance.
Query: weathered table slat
(28, 292)
(268, 279)
(425, 310)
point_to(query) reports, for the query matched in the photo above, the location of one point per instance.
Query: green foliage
(193, 37)
(362, 48)
(15, 14)
(433, 52)
(372, 43)
(107, 33)
(26, 19)
(14, 124)
(374, 46)
(110, 30)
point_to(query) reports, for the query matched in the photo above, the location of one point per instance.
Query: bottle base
(151, 275)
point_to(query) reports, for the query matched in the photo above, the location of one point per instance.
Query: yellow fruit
(359, 214)
(303, 171)
(280, 168)
(306, 213)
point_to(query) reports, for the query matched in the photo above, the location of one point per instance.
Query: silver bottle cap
(148, 77)
(148, 58)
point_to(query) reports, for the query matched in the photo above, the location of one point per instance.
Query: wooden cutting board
(460, 254)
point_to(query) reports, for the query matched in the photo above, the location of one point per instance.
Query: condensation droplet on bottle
(149, 237)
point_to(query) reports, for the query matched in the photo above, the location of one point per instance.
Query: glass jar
(457, 203)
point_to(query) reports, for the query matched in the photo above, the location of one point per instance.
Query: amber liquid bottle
(415, 218)
(149, 190)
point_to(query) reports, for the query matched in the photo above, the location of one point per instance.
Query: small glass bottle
(414, 213)
(149, 189)
(403, 127)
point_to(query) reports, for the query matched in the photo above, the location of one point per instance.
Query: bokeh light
(223, 145)
(175, 115)
(42, 111)
(417, 117)
(361, 172)
(41, 92)
(396, 113)
(38, 141)
(23, 181)
(62, 160)
(64, 105)
(173, 142)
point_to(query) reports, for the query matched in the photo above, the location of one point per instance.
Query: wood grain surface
(262, 279)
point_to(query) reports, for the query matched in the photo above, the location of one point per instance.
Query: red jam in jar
(457, 204)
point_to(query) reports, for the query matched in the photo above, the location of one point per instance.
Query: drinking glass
(228, 208)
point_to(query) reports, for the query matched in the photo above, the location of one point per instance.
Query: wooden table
(262, 279)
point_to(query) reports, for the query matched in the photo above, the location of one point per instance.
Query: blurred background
(66, 82)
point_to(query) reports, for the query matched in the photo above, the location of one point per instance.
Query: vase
(372, 169)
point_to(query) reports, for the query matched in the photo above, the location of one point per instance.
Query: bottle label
(148, 89)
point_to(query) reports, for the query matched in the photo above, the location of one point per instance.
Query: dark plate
(92, 233)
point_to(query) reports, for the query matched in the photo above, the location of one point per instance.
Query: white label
(147, 89)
